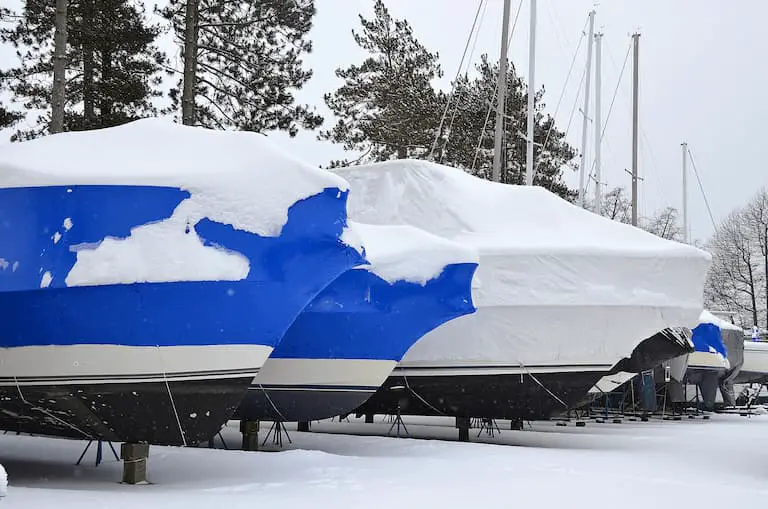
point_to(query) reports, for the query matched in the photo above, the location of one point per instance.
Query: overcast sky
(703, 77)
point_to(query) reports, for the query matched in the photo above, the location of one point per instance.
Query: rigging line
(458, 73)
(613, 101)
(471, 53)
(701, 187)
(495, 91)
(562, 92)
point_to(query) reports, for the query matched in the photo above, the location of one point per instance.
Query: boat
(347, 341)
(562, 294)
(708, 363)
(755, 366)
(147, 272)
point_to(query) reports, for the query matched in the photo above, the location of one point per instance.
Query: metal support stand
(99, 455)
(399, 423)
(489, 426)
(276, 431)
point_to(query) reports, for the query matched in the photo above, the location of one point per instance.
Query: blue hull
(358, 317)
(39, 227)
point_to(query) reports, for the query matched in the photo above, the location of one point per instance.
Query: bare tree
(615, 205)
(757, 217)
(59, 68)
(734, 277)
(664, 224)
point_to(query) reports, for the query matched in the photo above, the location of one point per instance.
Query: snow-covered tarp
(232, 178)
(557, 286)
(404, 253)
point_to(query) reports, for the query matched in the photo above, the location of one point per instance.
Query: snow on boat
(146, 273)
(562, 294)
(708, 364)
(344, 345)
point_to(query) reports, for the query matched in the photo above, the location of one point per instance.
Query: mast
(635, 80)
(531, 95)
(585, 110)
(598, 122)
(501, 95)
(684, 146)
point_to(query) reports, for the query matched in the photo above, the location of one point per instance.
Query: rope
(701, 187)
(493, 94)
(471, 52)
(543, 386)
(453, 85)
(46, 412)
(408, 386)
(272, 403)
(170, 396)
(562, 92)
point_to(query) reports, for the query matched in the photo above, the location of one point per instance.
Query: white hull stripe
(486, 370)
(315, 388)
(128, 378)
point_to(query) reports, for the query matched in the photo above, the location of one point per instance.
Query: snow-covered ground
(721, 462)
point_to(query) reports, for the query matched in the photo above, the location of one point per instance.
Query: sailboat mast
(531, 95)
(635, 81)
(501, 95)
(585, 111)
(598, 122)
(684, 146)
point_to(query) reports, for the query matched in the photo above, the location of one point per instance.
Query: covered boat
(147, 272)
(562, 294)
(344, 345)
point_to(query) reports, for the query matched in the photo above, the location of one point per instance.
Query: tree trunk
(752, 294)
(190, 63)
(59, 69)
(89, 97)
(105, 103)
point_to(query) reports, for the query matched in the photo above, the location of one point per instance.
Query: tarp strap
(542, 385)
(420, 398)
(46, 412)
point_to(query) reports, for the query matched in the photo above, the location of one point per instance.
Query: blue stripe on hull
(286, 272)
(361, 316)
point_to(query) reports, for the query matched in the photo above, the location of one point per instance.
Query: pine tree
(468, 139)
(112, 65)
(247, 63)
(387, 107)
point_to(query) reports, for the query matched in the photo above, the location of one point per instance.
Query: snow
(405, 253)
(707, 317)
(557, 285)
(156, 252)
(235, 178)
(698, 463)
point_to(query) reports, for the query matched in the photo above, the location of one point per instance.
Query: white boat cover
(558, 288)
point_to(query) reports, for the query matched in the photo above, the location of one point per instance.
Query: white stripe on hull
(755, 357)
(707, 360)
(290, 374)
(95, 364)
(480, 369)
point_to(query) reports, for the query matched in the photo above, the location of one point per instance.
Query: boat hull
(312, 389)
(346, 343)
(511, 393)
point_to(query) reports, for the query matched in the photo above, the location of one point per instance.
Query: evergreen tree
(387, 107)
(468, 137)
(112, 64)
(247, 63)
(8, 117)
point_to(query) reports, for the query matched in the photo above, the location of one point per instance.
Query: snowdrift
(558, 287)
(344, 345)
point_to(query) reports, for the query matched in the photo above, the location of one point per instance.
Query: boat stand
(398, 421)
(212, 441)
(99, 453)
(276, 431)
(490, 427)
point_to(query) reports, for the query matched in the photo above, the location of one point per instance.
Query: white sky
(702, 79)
(703, 76)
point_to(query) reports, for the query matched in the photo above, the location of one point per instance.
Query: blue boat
(146, 360)
(348, 340)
